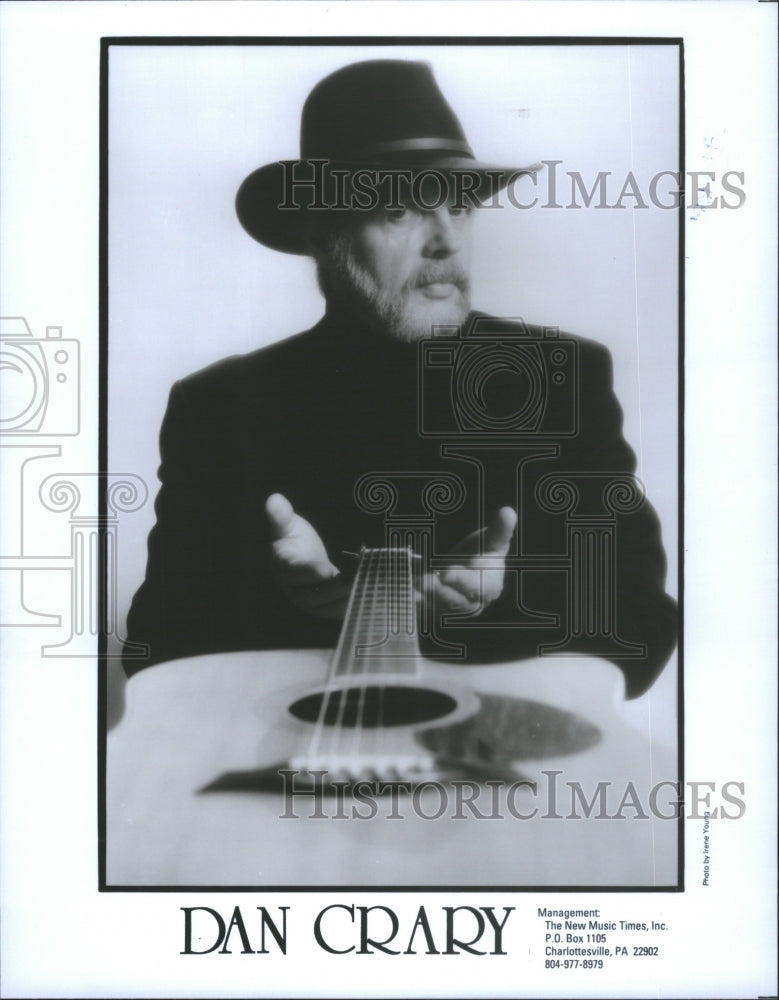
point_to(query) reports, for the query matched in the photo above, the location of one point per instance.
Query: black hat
(384, 115)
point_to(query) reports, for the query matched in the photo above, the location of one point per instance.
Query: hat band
(419, 144)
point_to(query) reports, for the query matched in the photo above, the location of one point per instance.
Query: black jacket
(310, 416)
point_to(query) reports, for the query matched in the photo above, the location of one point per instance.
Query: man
(264, 457)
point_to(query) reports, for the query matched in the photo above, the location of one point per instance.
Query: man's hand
(300, 562)
(470, 586)
(311, 582)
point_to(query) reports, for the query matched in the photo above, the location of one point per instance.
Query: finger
(465, 581)
(499, 531)
(480, 586)
(298, 572)
(281, 514)
(495, 539)
(445, 597)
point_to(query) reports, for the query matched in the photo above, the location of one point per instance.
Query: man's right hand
(301, 565)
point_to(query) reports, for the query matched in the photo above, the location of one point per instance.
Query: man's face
(404, 270)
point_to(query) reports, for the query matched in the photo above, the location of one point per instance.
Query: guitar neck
(379, 634)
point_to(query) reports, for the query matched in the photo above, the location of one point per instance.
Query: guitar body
(491, 756)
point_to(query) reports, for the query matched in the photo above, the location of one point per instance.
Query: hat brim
(283, 224)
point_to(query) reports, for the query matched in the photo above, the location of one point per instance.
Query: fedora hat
(382, 115)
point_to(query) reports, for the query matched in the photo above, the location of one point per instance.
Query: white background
(60, 937)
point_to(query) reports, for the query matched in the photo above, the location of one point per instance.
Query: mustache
(445, 272)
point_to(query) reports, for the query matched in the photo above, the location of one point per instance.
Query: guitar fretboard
(379, 634)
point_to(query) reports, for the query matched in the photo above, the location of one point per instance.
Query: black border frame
(102, 686)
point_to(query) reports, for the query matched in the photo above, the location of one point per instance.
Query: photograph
(388, 524)
(392, 336)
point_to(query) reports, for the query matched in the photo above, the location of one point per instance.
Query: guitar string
(385, 620)
(331, 682)
(357, 626)
(379, 721)
(358, 640)
(337, 738)
(392, 600)
(395, 591)
(381, 629)
(398, 621)
(365, 639)
(382, 690)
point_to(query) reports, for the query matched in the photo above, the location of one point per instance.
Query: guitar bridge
(348, 769)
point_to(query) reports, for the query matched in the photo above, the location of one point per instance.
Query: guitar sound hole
(374, 707)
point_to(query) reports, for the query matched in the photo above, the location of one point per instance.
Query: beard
(401, 313)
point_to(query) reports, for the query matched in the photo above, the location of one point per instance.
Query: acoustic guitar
(372, 766)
